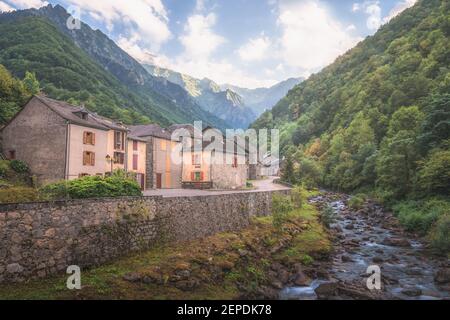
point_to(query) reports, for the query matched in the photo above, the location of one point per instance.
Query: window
(118, 140)
(89, 138)
(119, 157)
(235, 162)
(88, 158)
(12, 154)
(197, 176)
(135, 145)
(196, 160)
(135, 161)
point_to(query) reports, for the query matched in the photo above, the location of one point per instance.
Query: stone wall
(40, 239)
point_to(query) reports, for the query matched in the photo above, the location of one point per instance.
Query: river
(372, 237)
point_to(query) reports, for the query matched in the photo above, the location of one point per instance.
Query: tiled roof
(69, 112)
(150, 130)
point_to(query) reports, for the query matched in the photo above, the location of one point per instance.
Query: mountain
(226, 104)
(378, 118)
(262, 99)
(86, 66)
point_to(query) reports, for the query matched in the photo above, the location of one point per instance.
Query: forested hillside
(378, 119)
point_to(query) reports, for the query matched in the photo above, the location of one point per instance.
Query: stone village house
(60, 141)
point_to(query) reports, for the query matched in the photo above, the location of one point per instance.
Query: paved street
(260, 185)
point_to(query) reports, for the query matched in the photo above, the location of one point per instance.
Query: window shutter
(92, 159)
(84, 158)
(202, 176)
(93, 138)
(84, 137)
(193, 158)
(192, 176)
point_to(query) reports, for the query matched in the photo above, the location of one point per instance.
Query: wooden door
(158, 181)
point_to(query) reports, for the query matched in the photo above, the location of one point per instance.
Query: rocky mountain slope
(226, 104)
(262, 99)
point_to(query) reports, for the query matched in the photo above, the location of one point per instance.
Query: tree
(434, 174)
(31, 83)
(396, 163)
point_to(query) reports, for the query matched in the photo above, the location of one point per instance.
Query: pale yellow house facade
(137, 149)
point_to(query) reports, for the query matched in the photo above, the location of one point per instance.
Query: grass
(217, 262)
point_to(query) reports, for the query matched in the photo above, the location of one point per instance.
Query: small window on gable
(135, 145)
(88, 137)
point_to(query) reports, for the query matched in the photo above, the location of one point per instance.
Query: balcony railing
(201, 185)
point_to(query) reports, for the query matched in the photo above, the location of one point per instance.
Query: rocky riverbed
(367, 237)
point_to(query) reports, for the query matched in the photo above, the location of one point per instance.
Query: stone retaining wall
(40, 239)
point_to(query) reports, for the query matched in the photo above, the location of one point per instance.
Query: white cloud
(398, 8)
(373, 10)
(311, 37)
(199, 39)
(25, 4)
(255, 49)
(4, 7)
(145, 20)
(356, 7)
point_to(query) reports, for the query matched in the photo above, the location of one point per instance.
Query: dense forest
(378, 120)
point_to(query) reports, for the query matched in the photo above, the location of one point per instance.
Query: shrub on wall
(281, 207)
(18, 194)
(19, 166)
(117, 185)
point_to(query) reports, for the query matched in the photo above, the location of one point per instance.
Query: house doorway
(158, 181)
(140, 178)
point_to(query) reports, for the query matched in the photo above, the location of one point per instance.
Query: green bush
(281, 207)
(4, 168)
(420, 216)
(440, 234)
(18, 194)
(19, 166)
(356, 202)
(297, 195)
(327, 216)
(117, 185)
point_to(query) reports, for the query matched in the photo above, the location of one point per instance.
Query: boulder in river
(396, 242)
(442, 276)
(326, 289)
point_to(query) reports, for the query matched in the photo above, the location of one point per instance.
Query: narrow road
(259, 186)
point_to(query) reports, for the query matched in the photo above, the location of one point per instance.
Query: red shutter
(202, 176)
(192, 176)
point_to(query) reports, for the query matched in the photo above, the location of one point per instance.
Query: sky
(249, 43)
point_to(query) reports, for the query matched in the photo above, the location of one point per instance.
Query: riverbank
(255, 263)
